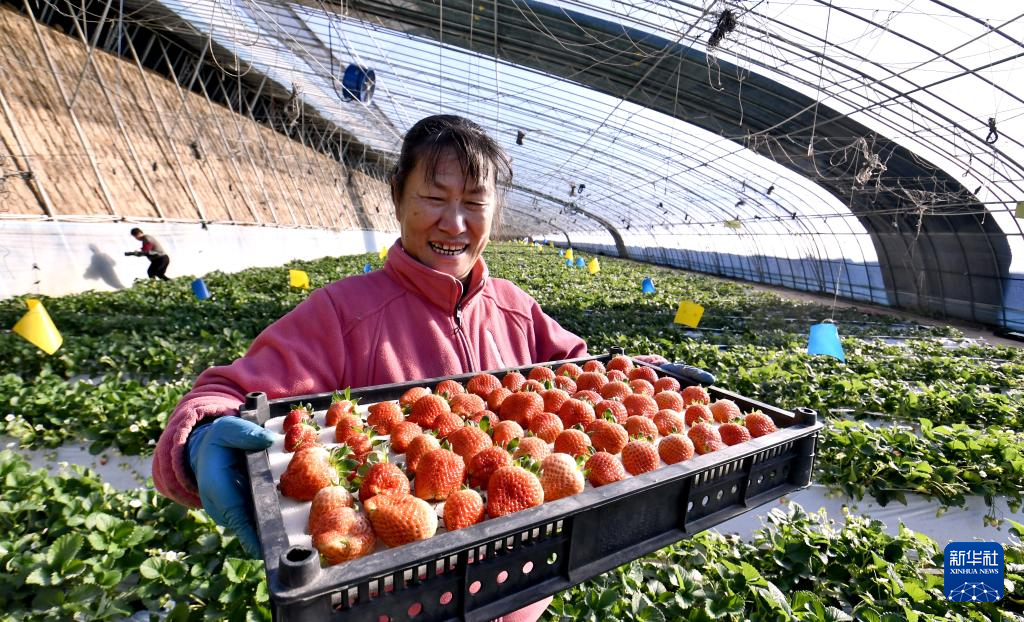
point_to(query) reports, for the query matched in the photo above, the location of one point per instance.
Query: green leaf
(64, 549)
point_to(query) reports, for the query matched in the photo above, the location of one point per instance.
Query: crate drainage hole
(298, 555)
(733, 489)
(552, 558)
(704, 501)
(474, 587)
(414, 610)
(446, 598)
(718, 497)
(527, 567)
(502, 577)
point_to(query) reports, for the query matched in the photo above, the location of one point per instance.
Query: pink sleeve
(299, 354)
(553, 342)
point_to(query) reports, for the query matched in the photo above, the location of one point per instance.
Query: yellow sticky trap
(38, 329)
(298, 278)
(383, 252)
(594, 267)
(568, 254)
(1020, 209)
(689, 314)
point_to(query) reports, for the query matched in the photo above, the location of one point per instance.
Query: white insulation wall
(57, 258)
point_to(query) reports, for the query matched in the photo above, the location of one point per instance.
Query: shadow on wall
(101, 268)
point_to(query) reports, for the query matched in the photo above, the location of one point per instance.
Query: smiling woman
(432, 311)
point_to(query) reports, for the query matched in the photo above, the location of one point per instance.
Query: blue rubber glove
(216, 454)
(689, 371)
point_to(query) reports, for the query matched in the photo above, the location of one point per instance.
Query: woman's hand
(216, 454)
(652, 359)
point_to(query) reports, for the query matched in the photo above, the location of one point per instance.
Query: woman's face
(446, 222)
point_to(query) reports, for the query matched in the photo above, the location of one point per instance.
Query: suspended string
(821, 72)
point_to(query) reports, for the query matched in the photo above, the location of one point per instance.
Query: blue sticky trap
(824, 339)
(200, 290)
(367, 268)
(580, 263)
(648, 286)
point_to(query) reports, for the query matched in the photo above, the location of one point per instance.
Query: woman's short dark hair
(434, 137)
(136, 231)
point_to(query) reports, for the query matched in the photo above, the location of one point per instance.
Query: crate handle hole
(527, 567)
(414, 610)
(446, 598)
(502, 577)
(552, 558)
(474, 587)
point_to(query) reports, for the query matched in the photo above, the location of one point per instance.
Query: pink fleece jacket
(399, 324)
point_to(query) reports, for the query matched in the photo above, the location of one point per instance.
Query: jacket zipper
(462, 338)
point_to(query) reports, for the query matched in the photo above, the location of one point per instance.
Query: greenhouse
(511, 309)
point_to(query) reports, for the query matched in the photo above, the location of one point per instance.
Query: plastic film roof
(869, 146)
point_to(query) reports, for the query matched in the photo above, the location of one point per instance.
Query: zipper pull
(458, 317)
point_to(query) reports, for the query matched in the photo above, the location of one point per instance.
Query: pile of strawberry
(492, 448)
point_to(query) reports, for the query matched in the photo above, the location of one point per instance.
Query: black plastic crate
(500, 565)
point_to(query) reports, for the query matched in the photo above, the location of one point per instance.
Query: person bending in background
(433, 310)
(152, 250)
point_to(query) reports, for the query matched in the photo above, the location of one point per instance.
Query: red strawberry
(705, 438)
(576, 412)
(607, 436)
(439, 474)
(590, 381)
(594, 365)
(383, 478)
(695, 394)
(401, 519)
(513, 381)
(511, 489)
(341, 404)
(535, 386)
(419, 447)
(469, 440)
(641, 405)
(675, 448)
(412, 395)
(496, 398)
(669, 399)
(485, 463)
(521, 407)
(327, 501)
(643, 373)
(301, 435)
(620, 362)
(463, 508)
(668, 421)
(482, 385)
(639, 457)
(541, 374)
(536, 448)
(447, 423)
(467, 404)
(565, 383)
(616, 375)
(560, 477)
(360, 442)
(484, 415)
(309, 470)
(574, 442)
(301, 413)
(547, 426)
(346, 426)
(448, 389)
(347, 535)
(615, 390)
(697, 412)
(590, 397)
(759, 424)
(616, 410)
(569, 370)
(733, 433)
(641, 426)
(603, 468)
(725, 410)
(427, 409)
(642, 387)
(402, 434)
(383, 416)
(553, 399)
(505, 431)
(666, 383)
